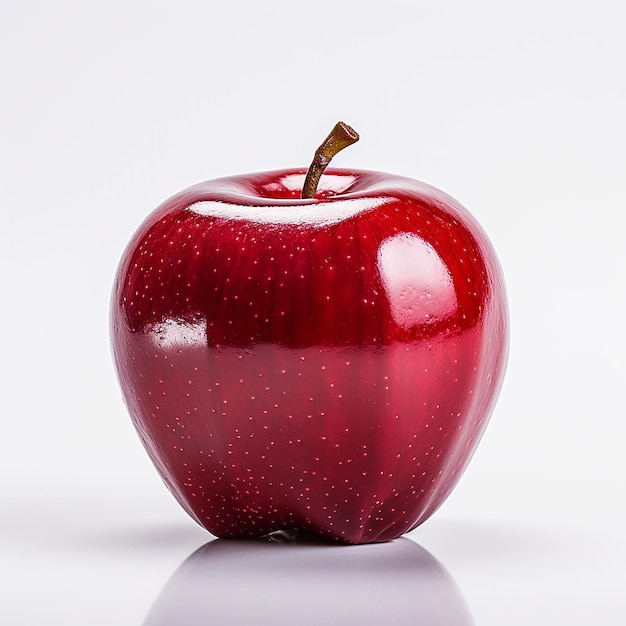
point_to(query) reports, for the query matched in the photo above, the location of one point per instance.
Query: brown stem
(341, 136)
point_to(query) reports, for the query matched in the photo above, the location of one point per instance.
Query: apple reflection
(418, 284)
(266, 581)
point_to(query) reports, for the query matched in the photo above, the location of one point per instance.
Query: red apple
(326, 363)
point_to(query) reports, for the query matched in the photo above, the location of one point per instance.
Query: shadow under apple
(268, 581)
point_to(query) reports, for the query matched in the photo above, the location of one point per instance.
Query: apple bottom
(354, 444)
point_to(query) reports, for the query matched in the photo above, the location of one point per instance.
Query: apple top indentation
(333, 183)
(318, 214)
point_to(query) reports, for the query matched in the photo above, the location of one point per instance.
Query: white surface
(517, 110)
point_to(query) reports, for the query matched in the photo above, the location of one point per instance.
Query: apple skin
(326, 364)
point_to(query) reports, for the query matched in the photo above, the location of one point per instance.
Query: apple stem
(341, 136)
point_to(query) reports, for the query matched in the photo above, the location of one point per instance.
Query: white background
(516, 109)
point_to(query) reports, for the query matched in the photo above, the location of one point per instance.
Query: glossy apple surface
(327, 364)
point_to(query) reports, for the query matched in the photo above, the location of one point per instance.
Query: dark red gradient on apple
(326, 364)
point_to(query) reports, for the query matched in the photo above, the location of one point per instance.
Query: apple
(316, 350)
